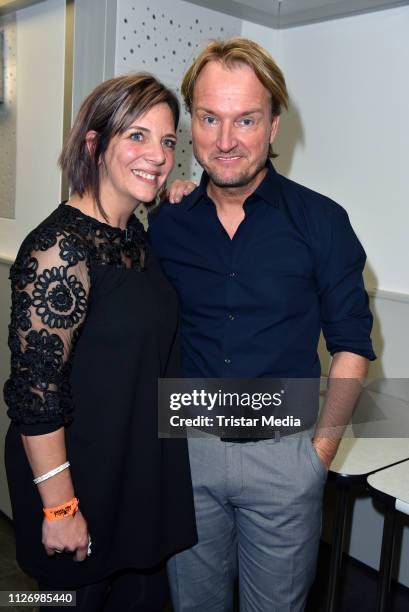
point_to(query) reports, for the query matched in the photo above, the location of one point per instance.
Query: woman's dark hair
(109, 110)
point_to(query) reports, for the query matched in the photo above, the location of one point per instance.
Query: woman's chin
(147, 196)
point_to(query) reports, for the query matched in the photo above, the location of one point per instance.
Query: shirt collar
(268, 189)
(199, 193)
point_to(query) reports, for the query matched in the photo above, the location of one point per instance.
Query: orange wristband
(60, 512)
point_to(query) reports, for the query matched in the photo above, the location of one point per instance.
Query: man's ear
(90, 141)
(274, 128)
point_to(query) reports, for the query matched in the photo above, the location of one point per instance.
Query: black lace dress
(94, 324)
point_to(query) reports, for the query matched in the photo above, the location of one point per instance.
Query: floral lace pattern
(59, 300)
(50, 282)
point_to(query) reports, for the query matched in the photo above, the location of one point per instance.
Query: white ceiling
(287, 13)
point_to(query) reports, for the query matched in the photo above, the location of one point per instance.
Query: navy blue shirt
(254, 306)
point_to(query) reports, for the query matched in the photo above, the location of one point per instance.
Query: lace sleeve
(50, 286)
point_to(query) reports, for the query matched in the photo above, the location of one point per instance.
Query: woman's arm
(44, 453)
(50, 286)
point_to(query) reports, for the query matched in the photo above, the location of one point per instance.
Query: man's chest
(265, 266)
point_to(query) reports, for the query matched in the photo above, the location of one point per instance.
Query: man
(261, 265)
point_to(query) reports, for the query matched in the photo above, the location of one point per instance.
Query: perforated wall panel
(164, 38)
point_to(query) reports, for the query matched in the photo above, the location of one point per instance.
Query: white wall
(8, 112)
(94, 55)
(40, 69)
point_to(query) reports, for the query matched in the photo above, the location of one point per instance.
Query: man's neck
(229, 200)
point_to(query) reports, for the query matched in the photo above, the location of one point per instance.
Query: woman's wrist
(51, 473)
(57, 490)
(56, 513)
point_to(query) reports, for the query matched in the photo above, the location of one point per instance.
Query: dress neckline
(131, 223)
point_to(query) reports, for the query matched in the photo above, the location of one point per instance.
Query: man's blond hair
(233, 52)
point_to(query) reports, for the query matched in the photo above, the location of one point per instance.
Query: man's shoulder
(311, 202)
(165, 210)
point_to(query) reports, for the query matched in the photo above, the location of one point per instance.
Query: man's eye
(138, 136)
(209, 120)
(171, 144)
(246, 122)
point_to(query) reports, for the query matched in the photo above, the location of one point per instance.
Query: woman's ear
(90, 141)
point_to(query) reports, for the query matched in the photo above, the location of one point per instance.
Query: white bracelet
(53, 472)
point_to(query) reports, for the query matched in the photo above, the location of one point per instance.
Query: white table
(391, 486)
(355, 460)
(393, 482)
(358, 457)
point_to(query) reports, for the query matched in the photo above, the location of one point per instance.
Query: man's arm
(346, 375)
(346, 323)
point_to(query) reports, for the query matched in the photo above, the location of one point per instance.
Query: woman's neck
(117, 216)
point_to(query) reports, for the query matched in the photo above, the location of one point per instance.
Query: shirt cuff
(367, 353)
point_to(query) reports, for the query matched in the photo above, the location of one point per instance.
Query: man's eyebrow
(252, 111)
(205, 110)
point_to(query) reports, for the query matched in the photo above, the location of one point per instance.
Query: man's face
(232, 126)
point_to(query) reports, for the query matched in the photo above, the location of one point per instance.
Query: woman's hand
(69, 534)
(178, 189)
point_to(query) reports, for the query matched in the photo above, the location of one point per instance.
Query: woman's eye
(138, 136)
(171, 144)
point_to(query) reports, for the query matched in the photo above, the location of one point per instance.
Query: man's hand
(326, 450)
(346, 375)
(69, 534)
(179, 189)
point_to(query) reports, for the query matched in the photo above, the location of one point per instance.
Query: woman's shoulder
(61, 233)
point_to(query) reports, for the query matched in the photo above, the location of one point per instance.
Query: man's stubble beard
(240, 180)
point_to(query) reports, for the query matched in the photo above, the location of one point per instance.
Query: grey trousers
(258, 511)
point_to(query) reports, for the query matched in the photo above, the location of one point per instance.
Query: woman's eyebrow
(143, 129)
(138, 127)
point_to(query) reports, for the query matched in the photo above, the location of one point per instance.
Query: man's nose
(226, 140)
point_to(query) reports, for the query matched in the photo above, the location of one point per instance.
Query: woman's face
(137, 162)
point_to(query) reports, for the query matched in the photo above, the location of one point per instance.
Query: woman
(94, 324)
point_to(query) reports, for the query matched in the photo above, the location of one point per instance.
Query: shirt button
(227, 360)
(232, 274)
(231, 317)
